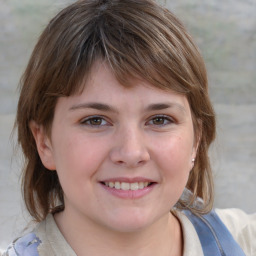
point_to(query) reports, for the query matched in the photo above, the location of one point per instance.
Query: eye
(94, 121)
(160, 120)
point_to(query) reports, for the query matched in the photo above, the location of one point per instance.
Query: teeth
(117, 185)
(127, 186)
(146, 184)
(111, 184)
(135, 186)
(141, 185)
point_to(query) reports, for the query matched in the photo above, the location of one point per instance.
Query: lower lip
(129, 194)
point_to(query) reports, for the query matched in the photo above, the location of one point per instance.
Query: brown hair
(136, 38)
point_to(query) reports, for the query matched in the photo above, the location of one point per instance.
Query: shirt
(46, 239)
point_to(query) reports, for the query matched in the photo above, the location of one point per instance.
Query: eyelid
(166, 117)
(88, 118)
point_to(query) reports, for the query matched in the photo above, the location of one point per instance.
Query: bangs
(132, 40)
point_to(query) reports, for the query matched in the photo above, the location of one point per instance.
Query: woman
(115, 122)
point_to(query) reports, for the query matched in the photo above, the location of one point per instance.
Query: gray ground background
(226, 33)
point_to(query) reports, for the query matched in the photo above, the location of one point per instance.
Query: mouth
(134, 186)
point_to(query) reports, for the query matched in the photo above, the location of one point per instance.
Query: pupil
(96, 121)
(158, 120)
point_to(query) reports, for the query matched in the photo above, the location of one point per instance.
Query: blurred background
(225, 31)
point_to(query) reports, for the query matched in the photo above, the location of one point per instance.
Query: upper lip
(128, 180)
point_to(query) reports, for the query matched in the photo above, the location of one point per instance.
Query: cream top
(241, 225)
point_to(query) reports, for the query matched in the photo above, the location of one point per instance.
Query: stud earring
(193, 160)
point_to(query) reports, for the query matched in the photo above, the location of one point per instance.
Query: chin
(130, 221)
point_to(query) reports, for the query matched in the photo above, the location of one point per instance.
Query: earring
(193, 160)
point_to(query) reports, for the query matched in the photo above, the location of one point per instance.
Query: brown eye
(159, 120)
(94, 121)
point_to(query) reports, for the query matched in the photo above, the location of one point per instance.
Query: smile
(127, 186)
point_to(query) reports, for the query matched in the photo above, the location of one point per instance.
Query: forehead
(102, 87)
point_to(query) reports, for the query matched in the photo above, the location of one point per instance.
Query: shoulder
(26, 246)
(53, 242)
(45, 239)
(237, 220)
(242, 226)
(231, 227)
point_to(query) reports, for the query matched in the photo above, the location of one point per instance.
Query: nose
(129, 149)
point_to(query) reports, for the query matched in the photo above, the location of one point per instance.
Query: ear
(44, 146)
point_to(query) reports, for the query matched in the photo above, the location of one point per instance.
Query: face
(123, 155)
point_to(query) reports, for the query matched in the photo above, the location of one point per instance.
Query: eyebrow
(94, 105)
(107, 108)
(162, 106)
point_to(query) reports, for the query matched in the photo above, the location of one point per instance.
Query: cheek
(77, 156)
(175, 151)
(173, 164)
(77, 162)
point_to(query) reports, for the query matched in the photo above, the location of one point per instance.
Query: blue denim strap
(215, 238)
(24, 246)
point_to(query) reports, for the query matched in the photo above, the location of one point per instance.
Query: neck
(163, 237)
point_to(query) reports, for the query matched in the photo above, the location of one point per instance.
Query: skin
(109, 132)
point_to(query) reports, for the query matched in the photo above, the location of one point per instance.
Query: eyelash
(89, 121)
(166, 119)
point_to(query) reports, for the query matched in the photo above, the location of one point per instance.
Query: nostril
(129, 156)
